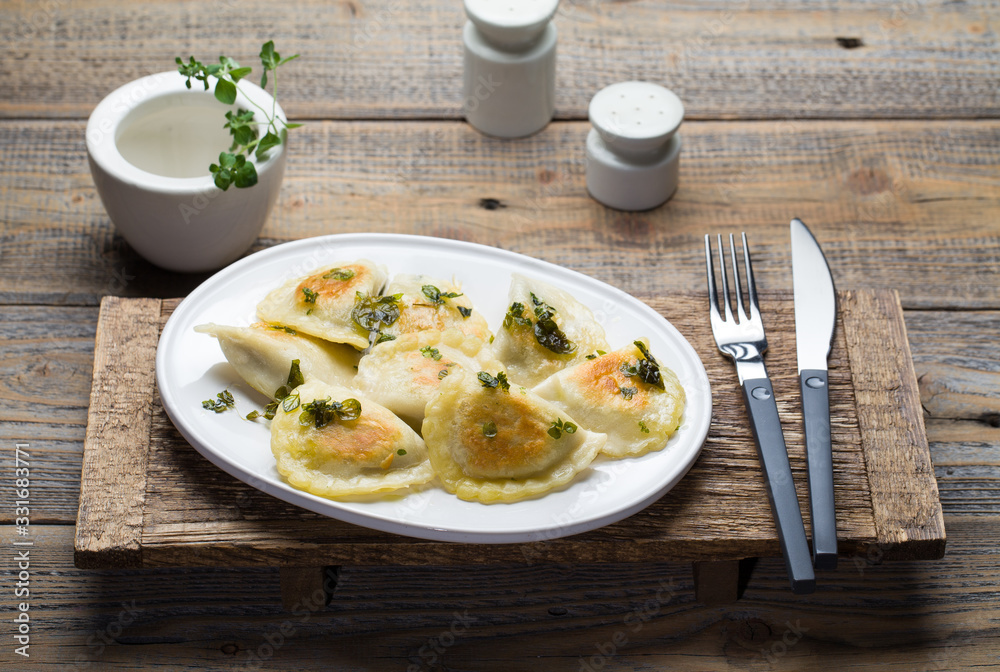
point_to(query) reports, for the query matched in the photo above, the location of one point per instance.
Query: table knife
(815, 316)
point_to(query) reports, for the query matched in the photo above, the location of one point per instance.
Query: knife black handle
(766, 427)
(819, 457)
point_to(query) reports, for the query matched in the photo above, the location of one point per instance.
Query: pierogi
(626, 394)
(320, 452)
(262, 354)
(490, 441)
(321, 304)
(544, 330)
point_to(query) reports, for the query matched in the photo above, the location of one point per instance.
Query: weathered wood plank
(883, 198)
(113, 479)
(900, 616)
(387, 58)
(903, 488)
(184, 522)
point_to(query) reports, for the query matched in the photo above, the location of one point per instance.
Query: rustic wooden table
(876, 123)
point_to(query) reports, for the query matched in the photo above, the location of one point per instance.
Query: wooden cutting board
(148, 499)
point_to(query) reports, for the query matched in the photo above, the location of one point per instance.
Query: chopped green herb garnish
(436, 296)
(401, 451)
(373, 313)
(558, 427)
(339, 274)
(310, 295)
(500, 380)
(643, 428)
(382, 338)
(223, 402)
(489, 429)
(321, 412)
(431, 353)
(596, 354)
(515, 315)
(646, 368)
(628, 392)
(466, 312)
(283, 395)
(442, 373)
(547, 332)
(281, 327)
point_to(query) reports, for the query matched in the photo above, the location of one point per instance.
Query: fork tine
(736, 277)
(751, 286)
(725, 284)
(713, 296)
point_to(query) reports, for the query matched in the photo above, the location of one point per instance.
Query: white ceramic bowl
(176, 217)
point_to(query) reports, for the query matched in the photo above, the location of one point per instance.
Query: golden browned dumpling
(404, 374)
(321, 304)
(490, 441)
(262, 354)
(335, 442)
(626, 394)
(431, 303)
(545, 330)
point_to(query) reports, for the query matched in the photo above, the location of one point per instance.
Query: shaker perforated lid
(511, 22)
(635, 118)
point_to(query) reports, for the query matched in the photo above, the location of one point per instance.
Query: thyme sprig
(233, 167)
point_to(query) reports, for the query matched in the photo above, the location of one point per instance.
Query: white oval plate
(190, 367)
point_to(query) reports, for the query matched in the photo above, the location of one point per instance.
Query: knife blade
(815, 317)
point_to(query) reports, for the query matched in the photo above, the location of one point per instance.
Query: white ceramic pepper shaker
(633, 152)
(510, 66)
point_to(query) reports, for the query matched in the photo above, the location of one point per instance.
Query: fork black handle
(759, 398)
(819, 458)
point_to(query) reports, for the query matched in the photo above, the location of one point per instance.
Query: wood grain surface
(876, 122)
(193, 514)
(895, 204)
(363, 59)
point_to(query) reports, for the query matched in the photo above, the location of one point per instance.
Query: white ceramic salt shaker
(510, 66)
(633, 152)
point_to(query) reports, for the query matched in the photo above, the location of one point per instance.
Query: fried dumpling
(262, 355)
(626, 394)
(545, 330)
(404, 374)
(430, 303)
(490, 441)
(321, 304)
(336, 443)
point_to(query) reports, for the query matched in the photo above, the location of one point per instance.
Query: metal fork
(743, 340)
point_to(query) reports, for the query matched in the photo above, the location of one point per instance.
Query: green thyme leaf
(436, 296)
(558, 427)
(339, 274)
(628, 392)
(596, 354)
(432, 353)
(281, 327)
(321, 412)
(643, 428)
(500, 380)
(466, 312)
(374, 313)
(442, 373)
(515, 316)
(295, 377)
(223, 402)
(646, 368)
(401, 451)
